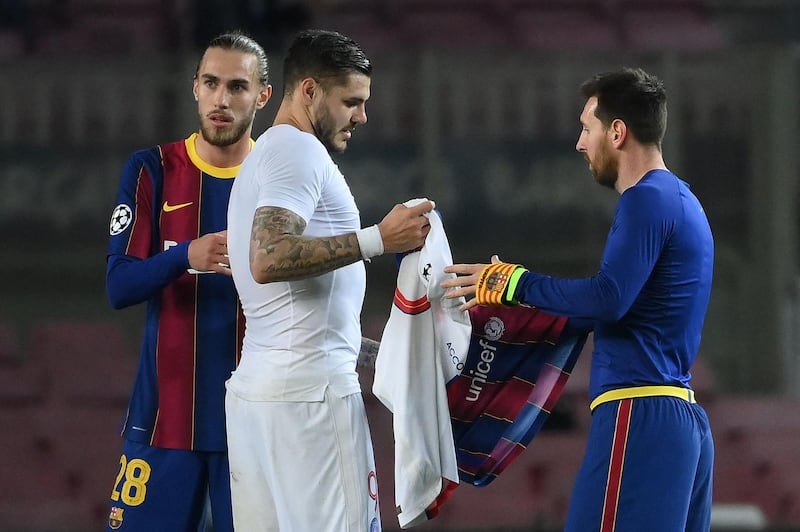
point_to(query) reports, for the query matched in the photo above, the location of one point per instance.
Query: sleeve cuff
(511, 287)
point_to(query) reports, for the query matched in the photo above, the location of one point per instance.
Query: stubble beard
(325, 130)
(605, 169)
(227, 137)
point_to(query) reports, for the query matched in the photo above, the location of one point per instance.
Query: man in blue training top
(649, 456)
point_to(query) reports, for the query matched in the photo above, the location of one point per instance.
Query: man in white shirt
(299, 444)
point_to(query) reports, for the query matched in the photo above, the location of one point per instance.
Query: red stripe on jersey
(617, 461)
(548, 388)
(141, 234)
(522, 324)
(417, 306)
(176, 350)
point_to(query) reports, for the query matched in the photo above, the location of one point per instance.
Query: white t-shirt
(301, 336)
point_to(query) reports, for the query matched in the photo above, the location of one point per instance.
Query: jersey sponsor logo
(494, 328)
(115, 518)
(169, 208)
(454, 358)
(121, 218)
(481, 372)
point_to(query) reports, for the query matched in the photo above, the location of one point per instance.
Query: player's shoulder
(282, 136)
(653, 197)
(158, 152)
(656, 186)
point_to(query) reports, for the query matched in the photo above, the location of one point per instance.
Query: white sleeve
(292, 175)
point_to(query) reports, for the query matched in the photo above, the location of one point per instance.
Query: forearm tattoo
(368, 353)
(278, 249)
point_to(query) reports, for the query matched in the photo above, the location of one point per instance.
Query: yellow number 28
(136, 474)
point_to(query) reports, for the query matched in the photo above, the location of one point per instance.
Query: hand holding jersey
(405, 227)
(209, 253)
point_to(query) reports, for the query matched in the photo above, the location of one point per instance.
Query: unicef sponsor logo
(494, 328)
(374, 526)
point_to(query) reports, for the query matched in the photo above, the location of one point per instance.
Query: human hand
(405, 228)
(209, 253)
(480, 284)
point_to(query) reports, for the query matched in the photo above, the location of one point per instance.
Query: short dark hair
(326, 56)
(241, 42)
(633, 96)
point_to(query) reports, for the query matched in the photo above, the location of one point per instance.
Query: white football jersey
(301, 336)
(423, 347)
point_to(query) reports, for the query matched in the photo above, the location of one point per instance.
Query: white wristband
(370, 242)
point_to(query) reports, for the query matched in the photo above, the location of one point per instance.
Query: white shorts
(301, 466)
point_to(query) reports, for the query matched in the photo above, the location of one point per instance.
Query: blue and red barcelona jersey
(168, 196)
(518, 362)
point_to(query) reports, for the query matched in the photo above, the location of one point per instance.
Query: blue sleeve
(576, 326)
(634, 244)
(131, 280)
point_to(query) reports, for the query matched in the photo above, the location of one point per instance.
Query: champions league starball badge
(494, 328)
(120, 219)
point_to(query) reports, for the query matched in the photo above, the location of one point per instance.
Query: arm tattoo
(280, 252)
(368, 353)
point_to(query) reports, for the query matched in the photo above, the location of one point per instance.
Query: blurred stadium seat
(669, 25)
(435, 26)
(757, 460)
(85, 362)
(563, 26)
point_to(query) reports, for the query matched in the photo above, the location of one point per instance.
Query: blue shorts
(648, 466)
(165, 490)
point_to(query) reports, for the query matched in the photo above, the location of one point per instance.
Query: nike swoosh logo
(170, 208)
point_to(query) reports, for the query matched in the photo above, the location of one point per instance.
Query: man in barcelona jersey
(168, 248)
(649, 456)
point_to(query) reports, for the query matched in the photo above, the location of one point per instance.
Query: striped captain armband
(497, 284)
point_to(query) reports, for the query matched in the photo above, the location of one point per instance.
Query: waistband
(687, 394)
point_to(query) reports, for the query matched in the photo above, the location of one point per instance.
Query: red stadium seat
(669, 27)
(558, 26)
(85, 362)
(428, 26)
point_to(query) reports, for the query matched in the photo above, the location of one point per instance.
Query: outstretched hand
(209, 253)
(465, 282)
(405, 228)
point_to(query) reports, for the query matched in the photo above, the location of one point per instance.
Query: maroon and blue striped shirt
(194, 327)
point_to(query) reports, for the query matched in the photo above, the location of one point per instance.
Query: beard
(326, 131)
(226, 137)
(605, 168)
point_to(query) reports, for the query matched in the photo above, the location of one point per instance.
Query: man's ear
(309, 88)
(263, 97)
(619, 132)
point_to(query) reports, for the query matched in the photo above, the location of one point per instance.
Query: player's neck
(292, 114)
(634, 164)
(223, 156)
